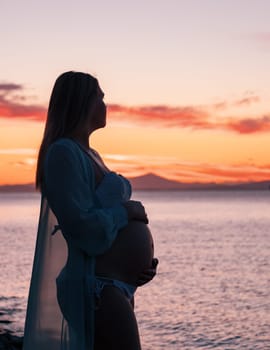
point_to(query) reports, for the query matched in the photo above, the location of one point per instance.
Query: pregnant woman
(84, 277)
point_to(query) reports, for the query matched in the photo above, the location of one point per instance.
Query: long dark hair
(69, 105)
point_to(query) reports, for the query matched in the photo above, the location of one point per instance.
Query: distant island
(154, 182)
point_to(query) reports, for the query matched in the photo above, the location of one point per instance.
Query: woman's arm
(69, 192)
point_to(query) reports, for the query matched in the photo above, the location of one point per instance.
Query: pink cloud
(11, 106)
(247, 101)
(152, 115)
(249, 126)
(263, 37)
(220, 105)
(189, 117)
(164, 116)
(244, 101)
(8, 87)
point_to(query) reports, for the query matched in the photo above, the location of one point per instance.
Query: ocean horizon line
(153, 182)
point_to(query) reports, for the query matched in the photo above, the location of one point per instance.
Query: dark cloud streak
(188, 117)
(5, 88)
(247, 101)
(11, 106)
(249, 126)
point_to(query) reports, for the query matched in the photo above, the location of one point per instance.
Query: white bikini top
(113, 189)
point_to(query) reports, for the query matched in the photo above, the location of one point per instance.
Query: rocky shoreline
(10, 341)
(8, 338)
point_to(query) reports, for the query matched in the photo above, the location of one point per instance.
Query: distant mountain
(155, 182)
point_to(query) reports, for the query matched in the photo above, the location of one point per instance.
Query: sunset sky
(187, 83)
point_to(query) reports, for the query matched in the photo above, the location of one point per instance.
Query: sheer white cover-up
(64, 262)
(45, 327)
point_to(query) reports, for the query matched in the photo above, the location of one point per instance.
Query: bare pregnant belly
(130, 254)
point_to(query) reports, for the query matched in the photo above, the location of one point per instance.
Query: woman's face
(97, 113)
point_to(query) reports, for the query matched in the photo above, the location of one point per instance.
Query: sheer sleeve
(70, 194)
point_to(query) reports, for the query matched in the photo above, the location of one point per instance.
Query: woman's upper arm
(70, 195)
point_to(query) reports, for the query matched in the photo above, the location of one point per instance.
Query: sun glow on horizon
(180, 155)
(188, 96)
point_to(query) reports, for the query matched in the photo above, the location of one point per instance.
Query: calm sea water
(212, 290)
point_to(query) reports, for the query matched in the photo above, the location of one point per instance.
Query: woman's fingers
(155, 262)
(141, 214)
(146, 276)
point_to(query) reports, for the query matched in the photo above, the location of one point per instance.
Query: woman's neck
(82, 139)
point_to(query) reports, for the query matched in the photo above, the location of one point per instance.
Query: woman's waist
(99, 282)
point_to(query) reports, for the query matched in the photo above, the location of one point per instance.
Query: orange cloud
(235, 173)
(187, 171)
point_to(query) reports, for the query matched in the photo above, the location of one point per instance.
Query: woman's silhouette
(84, 276)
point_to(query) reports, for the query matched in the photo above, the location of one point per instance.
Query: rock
(5, 321)
(9, 341)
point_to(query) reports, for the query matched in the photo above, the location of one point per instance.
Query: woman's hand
(136, 211)
(147, 275)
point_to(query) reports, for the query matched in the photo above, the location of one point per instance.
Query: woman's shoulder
(65, 153)
(63, 145)
(64, 141)
(64, 148)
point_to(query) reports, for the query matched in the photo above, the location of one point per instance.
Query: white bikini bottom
(127, 289)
